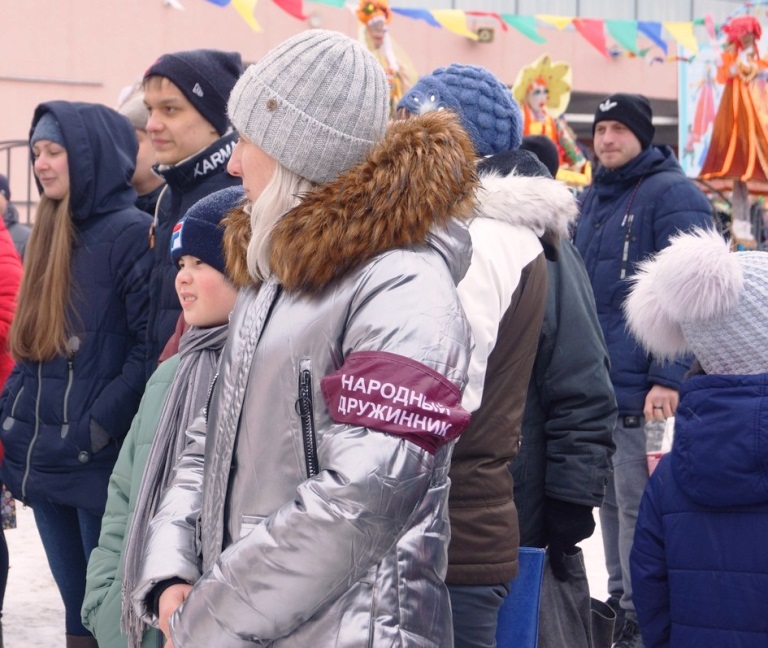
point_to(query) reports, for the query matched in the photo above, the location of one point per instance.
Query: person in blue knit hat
(485, 106)
(174, 395)
(503, 295)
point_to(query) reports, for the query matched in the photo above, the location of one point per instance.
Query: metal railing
(15, 163)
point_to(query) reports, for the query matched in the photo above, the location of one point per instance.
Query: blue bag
(518, 625)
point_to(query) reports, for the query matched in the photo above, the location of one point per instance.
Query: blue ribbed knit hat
(486, 107)
(47, 128)
(200, 232)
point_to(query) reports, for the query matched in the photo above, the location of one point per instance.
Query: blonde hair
(40, 326)
(283, 192)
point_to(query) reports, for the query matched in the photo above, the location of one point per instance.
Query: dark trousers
(475, 610)
(69, 535)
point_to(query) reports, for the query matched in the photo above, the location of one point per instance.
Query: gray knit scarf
(199, 352)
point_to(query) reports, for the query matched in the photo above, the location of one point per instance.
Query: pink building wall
(88, 50)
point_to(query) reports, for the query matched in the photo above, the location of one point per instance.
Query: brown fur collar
(421, 174)
(237, 233)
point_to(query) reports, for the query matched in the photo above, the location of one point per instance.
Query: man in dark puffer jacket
(640, 197)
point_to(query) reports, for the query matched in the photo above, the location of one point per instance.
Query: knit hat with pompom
(697, 296)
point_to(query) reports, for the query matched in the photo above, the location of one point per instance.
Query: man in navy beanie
(186, 95)
(639, 198)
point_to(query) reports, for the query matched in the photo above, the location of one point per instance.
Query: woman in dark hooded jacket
(78, 337)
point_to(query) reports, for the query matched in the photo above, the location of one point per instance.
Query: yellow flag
(682, 32)
(245, 9)
(454, 20)
(561, 22)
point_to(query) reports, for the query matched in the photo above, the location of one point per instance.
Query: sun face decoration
(546, 82)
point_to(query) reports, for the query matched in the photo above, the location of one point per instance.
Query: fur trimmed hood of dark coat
(419, 176)
(539, 203)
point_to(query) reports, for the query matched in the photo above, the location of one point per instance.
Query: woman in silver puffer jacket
(310, 507)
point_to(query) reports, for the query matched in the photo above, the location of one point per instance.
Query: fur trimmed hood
(418, 185)
(418, 178)
(538, 202)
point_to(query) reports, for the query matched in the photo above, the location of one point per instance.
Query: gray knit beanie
(697, 296)
(316, 103)
(135, 110)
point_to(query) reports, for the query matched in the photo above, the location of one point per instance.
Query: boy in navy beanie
(186, 97)
(200, 233)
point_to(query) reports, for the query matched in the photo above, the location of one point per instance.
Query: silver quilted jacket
(297, 529)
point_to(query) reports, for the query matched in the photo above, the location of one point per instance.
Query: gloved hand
(565, 525)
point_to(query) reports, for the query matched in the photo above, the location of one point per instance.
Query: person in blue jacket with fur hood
(78, 337)
(699, 568)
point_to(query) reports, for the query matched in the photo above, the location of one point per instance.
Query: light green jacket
(102, 603)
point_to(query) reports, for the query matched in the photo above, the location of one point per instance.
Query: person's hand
(169, 602)
(660, 403)
(566, 524)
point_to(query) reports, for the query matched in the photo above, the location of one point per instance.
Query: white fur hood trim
(539, 203)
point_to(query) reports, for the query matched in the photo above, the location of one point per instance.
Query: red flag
(709, 23)
(489, 14)
(592, 30)
(293, 7)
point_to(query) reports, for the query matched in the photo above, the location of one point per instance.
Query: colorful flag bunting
(682, 32)
(489, 14)
(418, 14)
(592, 30)
(526, 25)
(709, 23)
(245, 9)
(624, 32)
(561, 22)
(454, 20)
(653, 31)
(293, 7)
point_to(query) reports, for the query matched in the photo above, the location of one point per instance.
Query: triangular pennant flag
(293, 7)
(592, 30)
(526, 25)
(709, 23)
(561, 22)
(454, 20)
(220, 3)
(331, 3)
(489, 14)
(245, 9)
(652, 30)
(417, 14)
(682, 32)
(624, 33)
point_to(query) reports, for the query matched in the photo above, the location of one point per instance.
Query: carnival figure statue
(543, 90)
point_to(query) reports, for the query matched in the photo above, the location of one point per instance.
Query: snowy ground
(33, 615)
